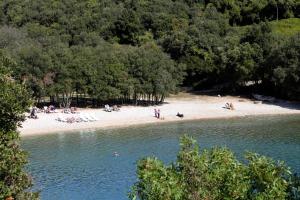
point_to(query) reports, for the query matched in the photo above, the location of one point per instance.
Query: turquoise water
(82, 165)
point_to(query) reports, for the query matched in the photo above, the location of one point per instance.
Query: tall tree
(14, 100)
(284, 69)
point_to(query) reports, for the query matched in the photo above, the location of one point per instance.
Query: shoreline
(194, 107)
(70, 131)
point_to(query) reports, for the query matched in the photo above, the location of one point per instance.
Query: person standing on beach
(155, 113)
(158, 113)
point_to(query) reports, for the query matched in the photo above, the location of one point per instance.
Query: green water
(81, 165)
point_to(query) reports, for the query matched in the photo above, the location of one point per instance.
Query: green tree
(14, 100)
(249, 12)
(242, 62)
(154, 74)
(63, 70)
(211, 174)
(127, 27)
(32, 69)
(77, 48)
(231, 8)
(283, 69)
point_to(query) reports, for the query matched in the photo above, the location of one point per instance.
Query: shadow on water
(285, 104)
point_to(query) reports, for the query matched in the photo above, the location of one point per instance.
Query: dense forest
(134, 51)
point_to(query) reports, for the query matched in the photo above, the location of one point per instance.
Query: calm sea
(82, 165)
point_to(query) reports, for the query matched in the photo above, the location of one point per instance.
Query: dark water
(82, 165)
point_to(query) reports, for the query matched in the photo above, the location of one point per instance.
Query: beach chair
(94, 117)
(71, 120)
(60, 118)
(107, 108)
(78, 119)
(83, 118)
(91, 119)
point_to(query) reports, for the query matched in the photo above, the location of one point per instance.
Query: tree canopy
(67, 49)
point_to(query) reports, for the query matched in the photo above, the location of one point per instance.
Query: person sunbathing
(71, 120)
(73, 110)
(229, 106)
(67, 111)
(51, 109)
(115, 108)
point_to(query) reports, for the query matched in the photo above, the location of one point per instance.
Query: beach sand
(192, 106)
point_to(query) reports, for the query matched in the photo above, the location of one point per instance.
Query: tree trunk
(156, 99)
(162, 98)
(77, 99)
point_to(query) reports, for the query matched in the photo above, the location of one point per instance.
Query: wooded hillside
(138, 51)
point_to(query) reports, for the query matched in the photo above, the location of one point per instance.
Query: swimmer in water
(116, 153)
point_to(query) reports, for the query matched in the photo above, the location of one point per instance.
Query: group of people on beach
(50, 109)
(72, 110)
(107, 108)
(34, 110)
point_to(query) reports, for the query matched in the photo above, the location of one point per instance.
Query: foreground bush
(213, 174)
(14, 181)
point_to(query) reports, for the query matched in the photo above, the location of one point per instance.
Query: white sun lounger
(78, 119)
(61, 118)
(107, 108)
(91, 119)
(94, 117)
(83, 118)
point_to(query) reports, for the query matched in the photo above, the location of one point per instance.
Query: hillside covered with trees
(133, 50)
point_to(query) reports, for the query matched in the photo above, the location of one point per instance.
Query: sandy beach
(192, 106)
